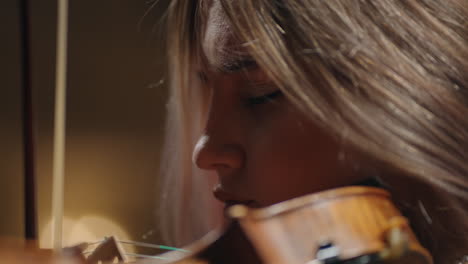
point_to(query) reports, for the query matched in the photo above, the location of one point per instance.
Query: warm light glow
(90, 228)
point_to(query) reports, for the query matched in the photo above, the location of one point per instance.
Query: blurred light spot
(90, 228)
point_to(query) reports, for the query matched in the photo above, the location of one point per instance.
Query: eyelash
(251, 101)
(266, 98)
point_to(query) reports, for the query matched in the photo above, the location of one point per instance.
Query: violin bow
(30, 222)
(59, 125)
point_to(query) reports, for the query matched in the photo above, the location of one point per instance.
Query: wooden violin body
(345, 225)
(350, 225)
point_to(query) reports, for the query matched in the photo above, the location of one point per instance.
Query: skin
(263, 151)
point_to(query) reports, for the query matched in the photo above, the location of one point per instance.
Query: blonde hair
(387, 77)
(187, 206)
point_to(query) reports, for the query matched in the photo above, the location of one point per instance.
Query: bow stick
(59, 129)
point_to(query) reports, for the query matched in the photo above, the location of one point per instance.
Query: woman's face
(262, 149)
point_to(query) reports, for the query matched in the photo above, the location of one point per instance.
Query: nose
(220, 146)
(212, 153)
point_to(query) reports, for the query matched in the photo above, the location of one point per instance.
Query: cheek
(290, 139)
(290, 157)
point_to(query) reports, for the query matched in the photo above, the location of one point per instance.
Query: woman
(277, 99)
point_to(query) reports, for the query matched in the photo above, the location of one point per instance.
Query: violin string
(94, 245)
(145, 256)
(138, 244)
(148, 245)
(133, 255)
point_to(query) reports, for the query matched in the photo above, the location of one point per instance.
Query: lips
(230, 198)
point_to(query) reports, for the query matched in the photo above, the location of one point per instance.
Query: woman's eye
(266, 98)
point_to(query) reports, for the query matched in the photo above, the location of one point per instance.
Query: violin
(348, 225)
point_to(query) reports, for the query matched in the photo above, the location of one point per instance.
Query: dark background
(115, 117)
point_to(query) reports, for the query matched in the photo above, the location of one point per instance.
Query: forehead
(220, 47)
